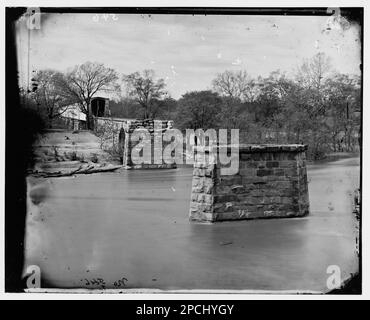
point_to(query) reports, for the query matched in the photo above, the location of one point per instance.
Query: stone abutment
(271, 182)
(116, 135)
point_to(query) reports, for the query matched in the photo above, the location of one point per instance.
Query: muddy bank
(63, 153)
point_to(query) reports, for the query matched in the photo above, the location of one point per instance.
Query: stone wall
(115, 136)
(108, 131)
(271, 182)
(156, 129)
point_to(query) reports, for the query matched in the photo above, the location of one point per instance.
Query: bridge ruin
(116, 132)
(271, 182)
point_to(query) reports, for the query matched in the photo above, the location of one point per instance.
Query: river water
(93, 230)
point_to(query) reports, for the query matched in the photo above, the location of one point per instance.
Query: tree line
(316, 106)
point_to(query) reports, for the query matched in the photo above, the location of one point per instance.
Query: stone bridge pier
(116, 134)
(156, 130)
(271, 182)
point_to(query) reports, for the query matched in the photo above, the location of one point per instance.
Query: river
(133, 226)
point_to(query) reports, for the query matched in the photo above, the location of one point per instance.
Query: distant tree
(84, 81)
(311, 98)
(199, 110)
(292, 113)
(311, 77)
(344, 103)
(234, 84)
(164, 109)
(48, 96)
(312, 73)
(233, 114)
(146, 90)
(125, 108)
(272, 93)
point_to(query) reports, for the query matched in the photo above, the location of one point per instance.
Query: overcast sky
(188, 51)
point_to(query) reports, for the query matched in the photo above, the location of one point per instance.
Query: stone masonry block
(271, 182)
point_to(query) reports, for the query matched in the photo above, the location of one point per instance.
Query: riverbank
(67, 152)
(335, 156)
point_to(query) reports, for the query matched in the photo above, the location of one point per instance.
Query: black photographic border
(21, 127)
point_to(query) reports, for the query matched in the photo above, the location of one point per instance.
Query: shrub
(94, 158)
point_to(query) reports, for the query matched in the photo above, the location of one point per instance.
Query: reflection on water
(134, 225)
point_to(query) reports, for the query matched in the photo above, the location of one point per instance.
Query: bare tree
(48, 95)
(234, 84)
(145, 89)
(311, 74)
(84, 81)
(311, 77)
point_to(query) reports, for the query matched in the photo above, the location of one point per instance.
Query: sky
(187, 51)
